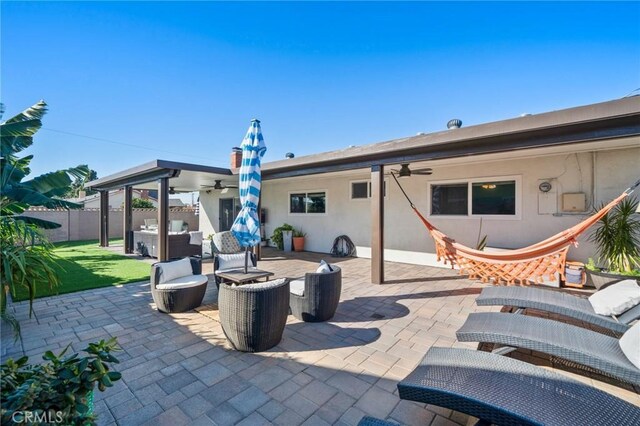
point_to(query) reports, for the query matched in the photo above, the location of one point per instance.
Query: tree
(78, 185)
(27, 257)
(139, 203)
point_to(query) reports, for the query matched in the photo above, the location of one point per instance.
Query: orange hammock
(529, 265)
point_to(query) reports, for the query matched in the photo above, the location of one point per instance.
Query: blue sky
(185, 79)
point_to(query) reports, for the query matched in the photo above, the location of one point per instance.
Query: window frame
(470, 181)
(306, 193)
(368, 182)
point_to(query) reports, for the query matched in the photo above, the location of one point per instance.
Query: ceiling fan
(405, 171)
(173, 190)
(218, 185)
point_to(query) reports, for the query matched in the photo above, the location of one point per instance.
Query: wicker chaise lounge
(504, 391)
(578, 345)
(180, 291)
(253, 316)
(315, 297)
(555, 302)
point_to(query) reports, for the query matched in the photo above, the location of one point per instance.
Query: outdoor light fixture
(488, 186)
(405, 171)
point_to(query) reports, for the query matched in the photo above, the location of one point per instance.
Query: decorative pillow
(175, 269)
(324, 267)
(231, 261)
(630, 344)
(616, 299)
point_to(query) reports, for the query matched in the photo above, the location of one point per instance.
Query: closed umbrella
(246, 227)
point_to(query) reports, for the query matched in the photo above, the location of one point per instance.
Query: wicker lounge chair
(253, 316)
(583, 347)
(555, 302)
(228, 254)
(315, 297)
(504, 391)
(180, 294)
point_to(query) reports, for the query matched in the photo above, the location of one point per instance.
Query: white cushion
(297, 287)
(630, 344)
(264, 285)
(176, 225)
(175, 269)
(183, 282)
(249, 269)
(616, 299)
(231, 261)
(324, 267)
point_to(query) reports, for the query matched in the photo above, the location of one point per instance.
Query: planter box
(602, 279)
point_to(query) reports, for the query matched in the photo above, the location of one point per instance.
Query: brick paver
(179, 369)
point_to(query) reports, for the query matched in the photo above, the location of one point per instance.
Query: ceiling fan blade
(426, 171)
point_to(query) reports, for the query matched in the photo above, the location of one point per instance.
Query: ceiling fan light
(404, 171)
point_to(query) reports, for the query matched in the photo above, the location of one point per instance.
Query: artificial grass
(82, 265)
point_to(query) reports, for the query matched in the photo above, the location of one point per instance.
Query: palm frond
(36, 111)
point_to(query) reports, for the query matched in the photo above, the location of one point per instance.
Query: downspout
(594, 180)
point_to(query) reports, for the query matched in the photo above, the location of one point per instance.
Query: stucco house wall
(601, 176)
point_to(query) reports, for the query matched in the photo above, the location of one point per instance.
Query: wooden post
(104, 218)
(377, 224)
(163, 219)
(128, 219)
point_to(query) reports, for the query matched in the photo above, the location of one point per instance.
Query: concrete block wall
(80, 225)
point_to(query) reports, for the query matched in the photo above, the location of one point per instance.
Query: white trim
(307, 192)
(470, 181)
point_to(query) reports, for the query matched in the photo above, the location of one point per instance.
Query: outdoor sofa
(582, 347)
(178, 285)
(315, 297)
(253, 316)
(556, 302)
(504, 391)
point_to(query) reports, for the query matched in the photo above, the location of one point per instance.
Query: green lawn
(83, 265)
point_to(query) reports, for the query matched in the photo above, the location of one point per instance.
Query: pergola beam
(377, 224)
(163, 219)
(128, 219)
(104, 218)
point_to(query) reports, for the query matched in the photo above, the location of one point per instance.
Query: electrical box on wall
(574, 202)
(547, 197)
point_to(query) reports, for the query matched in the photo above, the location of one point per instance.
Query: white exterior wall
(406, 239)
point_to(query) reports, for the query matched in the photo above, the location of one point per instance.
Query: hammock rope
(528, 265)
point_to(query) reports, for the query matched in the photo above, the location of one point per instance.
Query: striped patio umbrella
(246, 227)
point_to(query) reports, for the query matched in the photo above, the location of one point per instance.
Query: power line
(128, 144)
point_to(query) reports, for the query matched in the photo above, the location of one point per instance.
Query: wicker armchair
(315, 298)
(253, 316)
(179, 294)
(226, 254)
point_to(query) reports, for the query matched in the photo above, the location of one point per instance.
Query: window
(497, 198)
(449, 199)
(308, 202)
(361, 190)
(477, 197)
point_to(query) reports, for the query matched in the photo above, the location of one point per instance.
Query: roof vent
(454, 124)
(289, 155)
(420, 134)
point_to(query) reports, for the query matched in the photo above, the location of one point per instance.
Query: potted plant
(59, 390)
(298, 240)
(277, 235)
(617, 238)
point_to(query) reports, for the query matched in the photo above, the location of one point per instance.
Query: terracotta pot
(602, 279)
(298, 243)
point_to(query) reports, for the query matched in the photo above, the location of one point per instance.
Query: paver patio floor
(179, 368)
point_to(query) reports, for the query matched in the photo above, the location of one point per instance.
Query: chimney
(236, 157)
(454, 124)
